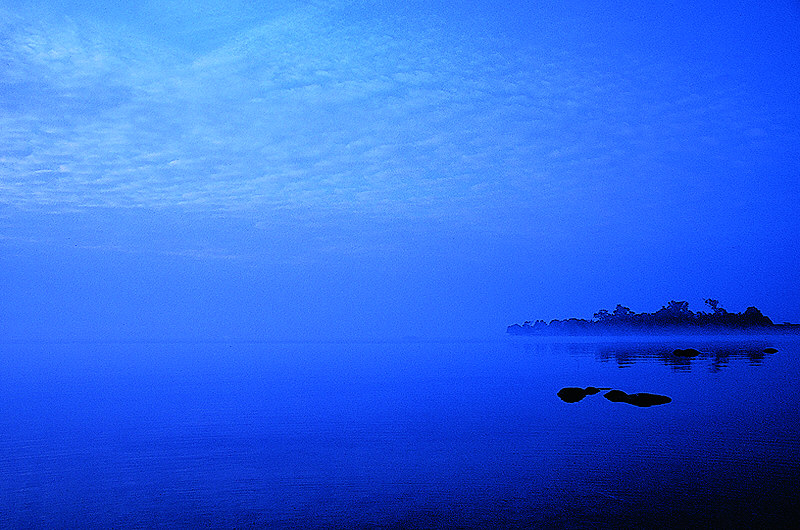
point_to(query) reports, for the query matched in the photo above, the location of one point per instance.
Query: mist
(352, 172)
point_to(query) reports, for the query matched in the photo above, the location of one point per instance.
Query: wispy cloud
(304, 110)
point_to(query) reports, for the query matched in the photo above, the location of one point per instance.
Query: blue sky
(241, 169)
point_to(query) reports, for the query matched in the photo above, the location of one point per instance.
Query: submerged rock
(641, 399)
(770, 350)
(688, 352)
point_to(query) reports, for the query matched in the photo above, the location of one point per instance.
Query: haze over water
(359, 169)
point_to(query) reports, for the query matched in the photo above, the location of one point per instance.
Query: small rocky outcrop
(688, 352)
(641, 399)
(573, 394)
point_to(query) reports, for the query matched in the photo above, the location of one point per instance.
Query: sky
(367, 170)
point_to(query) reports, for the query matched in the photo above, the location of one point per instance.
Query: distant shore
(775, 329)
(673, 319)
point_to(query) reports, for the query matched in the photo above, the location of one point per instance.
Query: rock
(689, 352)
(616, 396)
(770, 350)
(572, 394)
(642, 399)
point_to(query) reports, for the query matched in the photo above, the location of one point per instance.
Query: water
(398, 435)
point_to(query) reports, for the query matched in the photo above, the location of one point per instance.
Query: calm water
(397, 435)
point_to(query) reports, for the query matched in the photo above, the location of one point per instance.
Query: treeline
(675, 316)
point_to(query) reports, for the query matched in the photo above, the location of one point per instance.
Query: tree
(602, 316)
(714, 305)
(622, 313)
(678, 308)
(753, 317)
(674, 313)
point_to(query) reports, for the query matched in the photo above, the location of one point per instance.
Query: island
(674, 318)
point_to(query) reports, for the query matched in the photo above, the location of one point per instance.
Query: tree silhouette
(675, 316)
(714, 305)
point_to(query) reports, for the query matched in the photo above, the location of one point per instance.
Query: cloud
(302, 110)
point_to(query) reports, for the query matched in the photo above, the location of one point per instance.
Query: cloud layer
(307, 110)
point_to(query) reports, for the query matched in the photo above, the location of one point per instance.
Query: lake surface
(408, 435)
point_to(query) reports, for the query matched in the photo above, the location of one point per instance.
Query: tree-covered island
(675, 317)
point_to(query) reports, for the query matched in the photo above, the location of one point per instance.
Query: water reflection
(388, 435)
(679, 355)
(716, 355)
